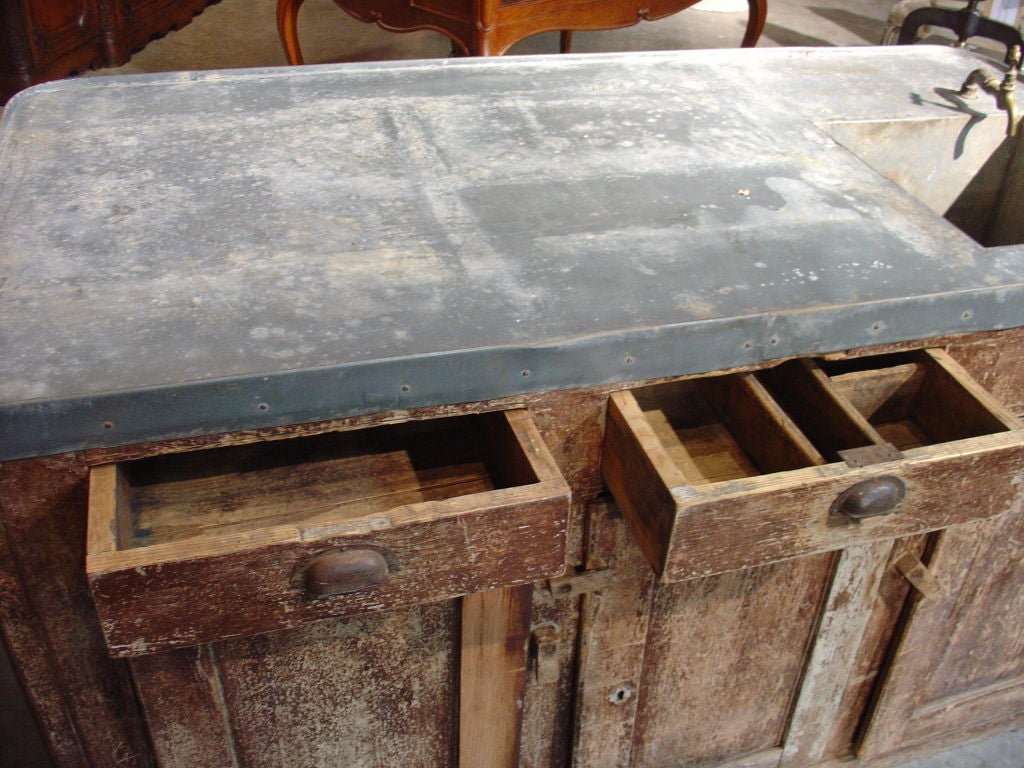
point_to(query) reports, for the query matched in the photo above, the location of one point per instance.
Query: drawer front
(729, 518)
(196, 586)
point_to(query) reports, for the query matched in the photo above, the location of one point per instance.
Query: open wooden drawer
(228, 542)
(727, 472)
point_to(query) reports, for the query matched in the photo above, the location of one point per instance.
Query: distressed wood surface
(848, 607)
(996, 362)
(613, 636)
(875, 642)
(178, 603)
(492, 676)
(723, 661)
(546, 739)
(82, 699)
(732, 520)
(571, 424)
(976, 674)
(167, 594)
(752, 521)
(639, 473)
(376, 691)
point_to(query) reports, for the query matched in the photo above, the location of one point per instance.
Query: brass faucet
(1001, 89)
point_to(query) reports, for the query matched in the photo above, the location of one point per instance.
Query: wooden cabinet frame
(569, 669)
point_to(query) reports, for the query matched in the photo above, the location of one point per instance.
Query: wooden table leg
(288, 29)
(755, 22)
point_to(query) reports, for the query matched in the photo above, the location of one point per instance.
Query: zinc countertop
(204, 252)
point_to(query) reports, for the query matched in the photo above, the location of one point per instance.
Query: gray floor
(242, 33)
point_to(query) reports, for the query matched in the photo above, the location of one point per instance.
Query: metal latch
(581, 582)
(918, 575)
(870, 454)
(544, 652)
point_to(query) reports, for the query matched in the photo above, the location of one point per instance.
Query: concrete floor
(242, 33)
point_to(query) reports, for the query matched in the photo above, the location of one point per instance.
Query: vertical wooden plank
(492, 676)
(848, 606)
(83, 698)
(613, 634)
(915, 653)
(182, 696)
(883, 627)
(551, 675)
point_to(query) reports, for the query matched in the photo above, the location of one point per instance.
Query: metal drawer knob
(342, 571)
(869, 498)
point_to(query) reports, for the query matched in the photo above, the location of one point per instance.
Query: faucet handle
(1013, 61)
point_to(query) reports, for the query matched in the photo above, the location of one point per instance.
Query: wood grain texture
(762, 520)
(724, 658)
(183, 699)
(870, 661)
(170, 594)
(375, 691)
(829, 420)
(82, 698)
(179, 603)
(492, 676)
(613, 637)
(938, 687)
(996, 362)
(847, 610)
(751, 521)
(546, 740)
(639, 473)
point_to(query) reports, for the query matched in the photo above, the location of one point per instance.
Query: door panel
(374, 690)
(732, 644)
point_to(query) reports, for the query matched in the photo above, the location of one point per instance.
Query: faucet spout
(1002, 89)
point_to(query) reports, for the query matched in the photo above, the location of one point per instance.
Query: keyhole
(621, 695)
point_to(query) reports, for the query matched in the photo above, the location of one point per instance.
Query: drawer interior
(914, 399)
(333, 476)
(723, 428)
(907, 400)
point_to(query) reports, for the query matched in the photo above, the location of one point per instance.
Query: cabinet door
(755, 667)
(958, 666)
(374, 690)
(429, 685)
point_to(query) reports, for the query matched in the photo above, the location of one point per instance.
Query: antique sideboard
(44, 40)
(540, 412)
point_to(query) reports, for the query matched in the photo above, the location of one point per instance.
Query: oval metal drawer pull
(346, 570)
(869, 498)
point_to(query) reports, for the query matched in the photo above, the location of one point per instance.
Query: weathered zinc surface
(187, 254)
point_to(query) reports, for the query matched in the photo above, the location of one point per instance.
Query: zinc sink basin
(963, 167)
